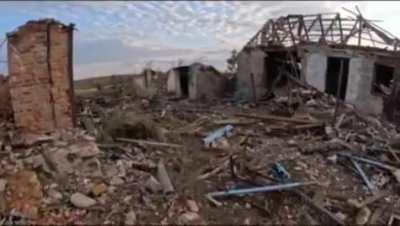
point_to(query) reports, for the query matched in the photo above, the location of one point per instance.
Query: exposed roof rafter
(293, 30)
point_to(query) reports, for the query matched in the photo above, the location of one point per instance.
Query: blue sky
(122, 37)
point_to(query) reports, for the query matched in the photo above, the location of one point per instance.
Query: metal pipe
(395, 171)
(367, 182)
(371, 162)
(281, 172)
(257, 189)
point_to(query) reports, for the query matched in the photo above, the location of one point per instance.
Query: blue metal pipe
(371, 162)
(370, 185)
(257, 189)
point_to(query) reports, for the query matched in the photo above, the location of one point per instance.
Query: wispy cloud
(116, 37)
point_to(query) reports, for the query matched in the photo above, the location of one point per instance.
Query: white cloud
(173, 26)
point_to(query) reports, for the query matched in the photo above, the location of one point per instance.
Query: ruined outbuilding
(41, 76)
(196, 81)
(351, 58)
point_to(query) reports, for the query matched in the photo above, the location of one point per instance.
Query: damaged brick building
(351, 58)
(41, 76)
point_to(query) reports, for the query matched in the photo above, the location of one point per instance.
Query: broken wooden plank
(393, 153)
(310, 220)
(318, 207)
(164, 179)
(276, 118)
(378, 196)
(394, 220)
(215, 170)
(253, 87)
(212, 200)
(308, 126)
(376, 216)
(340, 121)
(234, 121)
(89, 125)
(211, 173)
(190, 127)
(149, 143)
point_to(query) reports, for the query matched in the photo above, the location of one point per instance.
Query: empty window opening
(333, 76)
(383, 78)
(184, 80)
(277, 66)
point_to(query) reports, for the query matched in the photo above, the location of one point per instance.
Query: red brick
(41, 99)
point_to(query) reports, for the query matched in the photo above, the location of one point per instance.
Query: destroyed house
(145, 79)
(351, 58)
(196, 81)
(41, 76)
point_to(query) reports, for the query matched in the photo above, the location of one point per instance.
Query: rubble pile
(296, 159)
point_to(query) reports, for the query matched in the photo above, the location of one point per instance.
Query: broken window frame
(375, 88)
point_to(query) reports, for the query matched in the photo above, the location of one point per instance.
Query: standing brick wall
(40, 68)
(5, 105)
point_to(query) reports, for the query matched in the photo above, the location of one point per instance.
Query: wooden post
(289, 87)
(360, 30)
(253, 87)
(340, 28)
(391, 104)
(338, 91)
(164, 179)
(322, 38)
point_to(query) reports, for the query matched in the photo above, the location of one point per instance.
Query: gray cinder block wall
(360, 77)
(252, 61)
(203, 82)
(314, 66)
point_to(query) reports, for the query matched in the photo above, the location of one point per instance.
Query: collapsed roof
(325, 29)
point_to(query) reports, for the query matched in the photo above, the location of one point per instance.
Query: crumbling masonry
(350, 58)
(41, 76)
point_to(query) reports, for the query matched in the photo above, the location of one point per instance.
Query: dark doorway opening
(184, 80)
(382, 81)
(333, 76)
(277, 65)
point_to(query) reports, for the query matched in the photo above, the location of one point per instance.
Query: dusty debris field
(135, 160)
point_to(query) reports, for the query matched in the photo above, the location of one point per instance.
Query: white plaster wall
(359, 81)
(354, 78)
(173, 83)
(205, 83)
(252, 62)
(315, 70)
(243, 72)
(361, 71)
(139, 82)
(194, 74)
